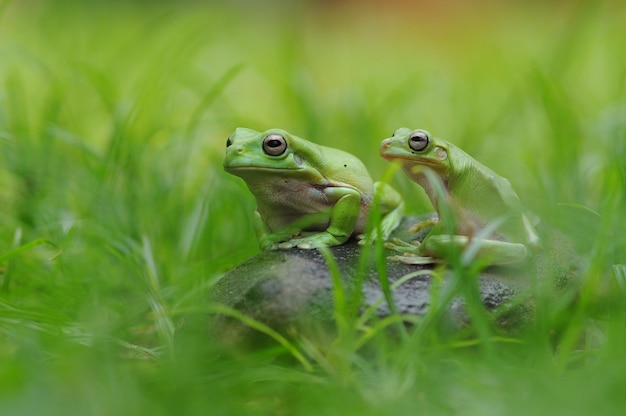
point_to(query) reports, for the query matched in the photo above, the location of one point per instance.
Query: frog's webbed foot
(275, 241)
(411, 252)
(368, 238)
(403, 246)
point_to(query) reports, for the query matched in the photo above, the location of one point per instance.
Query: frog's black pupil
(274, 143)
(229, 142)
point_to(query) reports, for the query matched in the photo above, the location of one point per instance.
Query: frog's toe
(399, 259)
(364, 239)
(413, 259)
(401, 245)
(306, 245)
(285, 245)
(421, 225)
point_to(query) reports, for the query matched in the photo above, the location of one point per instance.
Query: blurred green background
(116, 217)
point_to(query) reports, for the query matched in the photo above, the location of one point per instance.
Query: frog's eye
(418, 140)
(274, 144)
(229, 141)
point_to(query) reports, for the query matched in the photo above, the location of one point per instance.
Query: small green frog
(307, 195)
(481, 207)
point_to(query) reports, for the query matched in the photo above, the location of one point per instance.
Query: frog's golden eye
(229, 141)
(418, 140)
(274, 144)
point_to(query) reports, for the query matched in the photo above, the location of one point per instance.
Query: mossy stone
(292, 290)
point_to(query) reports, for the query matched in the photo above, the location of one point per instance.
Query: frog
(308, 195)
(474, 205)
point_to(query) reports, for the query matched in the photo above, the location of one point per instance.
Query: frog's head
(414, 148)
(274, 150)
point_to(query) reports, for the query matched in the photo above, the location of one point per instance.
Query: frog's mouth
(257, 168)
(411, 160)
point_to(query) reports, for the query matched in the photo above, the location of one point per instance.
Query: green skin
(474, 204)
(307, 195)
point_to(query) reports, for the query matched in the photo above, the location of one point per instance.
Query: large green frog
(307, 195)
(474, 204)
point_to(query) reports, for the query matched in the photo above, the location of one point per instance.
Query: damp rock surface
(292, 290)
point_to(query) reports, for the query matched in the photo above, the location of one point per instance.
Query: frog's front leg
(342, 220)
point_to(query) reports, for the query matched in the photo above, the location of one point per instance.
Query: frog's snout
(384, 145)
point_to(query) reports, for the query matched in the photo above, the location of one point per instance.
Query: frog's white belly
(281, 203)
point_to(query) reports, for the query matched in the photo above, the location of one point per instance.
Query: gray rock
(292, 290)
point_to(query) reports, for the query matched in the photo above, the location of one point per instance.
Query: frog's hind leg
(494, 251)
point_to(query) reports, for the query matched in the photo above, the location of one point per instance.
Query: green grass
(116, 217)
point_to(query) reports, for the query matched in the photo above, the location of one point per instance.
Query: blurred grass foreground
(116, 216)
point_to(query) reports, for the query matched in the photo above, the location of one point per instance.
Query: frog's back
(341, 167)
(477, 181)
(483, 195)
